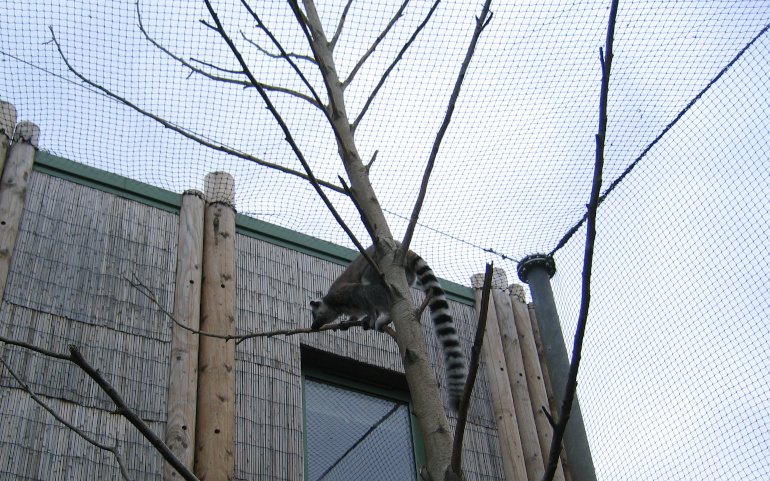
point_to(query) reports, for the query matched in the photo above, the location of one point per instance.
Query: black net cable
(633, 164)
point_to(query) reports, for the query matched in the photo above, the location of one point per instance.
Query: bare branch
(189, 135)
(406, 46)
(425, 302)
(70, 426)
(369, 165)
(240, 72)
(239, 338)
(465, 400)
(337, 32)
(377, 41)
(318, 102)
(276, 55)
(569, 394)
(481, 23)
(287, 132)
(76, 358)
(244, 83)
(122, 408)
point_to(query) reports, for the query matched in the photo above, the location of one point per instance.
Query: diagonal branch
(185, 133)
(239, 338)
(77, 358)
(70, 426)
(217, 78)
(481, 22)
(465, 400)
(333, 41)
(571, 388)
(390, 68)
(287, 133)
(276, 55)
(377, 41)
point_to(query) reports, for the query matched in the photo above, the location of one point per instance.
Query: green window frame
(357, 430)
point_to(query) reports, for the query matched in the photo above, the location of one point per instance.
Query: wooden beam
(215, 432)
(533, 372)
(183, 376)
(13, 188)
(533, 456)
(514, 466)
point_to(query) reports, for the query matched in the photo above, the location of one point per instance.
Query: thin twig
(287, 133)
(374, 45)
(319, 103)
(481, 23)
(239, 338)
(189, 135)
(369, 165)
(465, 400)
(333, 41)
(216, 78)
(276, 56)
(72, 427)
(390, 68)
(569, 394)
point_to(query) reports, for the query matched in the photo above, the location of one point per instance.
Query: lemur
(359, 293)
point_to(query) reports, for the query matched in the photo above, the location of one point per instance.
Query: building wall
(69, 284)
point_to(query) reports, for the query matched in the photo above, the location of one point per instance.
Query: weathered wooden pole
(511, 450)
(536, 270)
(183, 375)
(538, 393)
(533, 456)
(215, 432)
(13, 187)
(7, 123)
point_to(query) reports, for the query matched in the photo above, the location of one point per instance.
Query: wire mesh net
(676, 348)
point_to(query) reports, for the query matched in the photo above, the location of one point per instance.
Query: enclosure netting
(675, 368)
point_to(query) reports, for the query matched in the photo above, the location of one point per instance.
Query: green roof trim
(171, 202)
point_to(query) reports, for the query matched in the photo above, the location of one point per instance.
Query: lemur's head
(322, 314)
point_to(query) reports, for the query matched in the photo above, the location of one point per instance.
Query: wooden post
(514, 466)
(215, 432)
(183, 376)
(7, 123)
(534, 374)
(13, 187)
(547, 381)
(533, 456)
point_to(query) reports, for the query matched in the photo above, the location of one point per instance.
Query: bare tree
(408, 334)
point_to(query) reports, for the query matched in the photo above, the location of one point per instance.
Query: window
(356, 432)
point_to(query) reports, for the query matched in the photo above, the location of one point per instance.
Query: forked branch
(473, 369)
(194, 137)
(392, 65)
(481, 22)
(70, 426)
(285, 128)
(377, 41)
(569, 394)
(122, 408)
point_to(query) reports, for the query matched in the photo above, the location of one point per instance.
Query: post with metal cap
(537, 270)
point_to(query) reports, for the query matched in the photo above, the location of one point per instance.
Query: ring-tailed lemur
(359, 293)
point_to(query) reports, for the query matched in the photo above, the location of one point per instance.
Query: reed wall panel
(77, 247)
(67, 285)
(35, 446)
(275, 287)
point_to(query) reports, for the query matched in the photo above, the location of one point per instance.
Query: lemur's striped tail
(454, 359)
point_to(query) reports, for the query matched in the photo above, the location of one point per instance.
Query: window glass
(352, 435)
